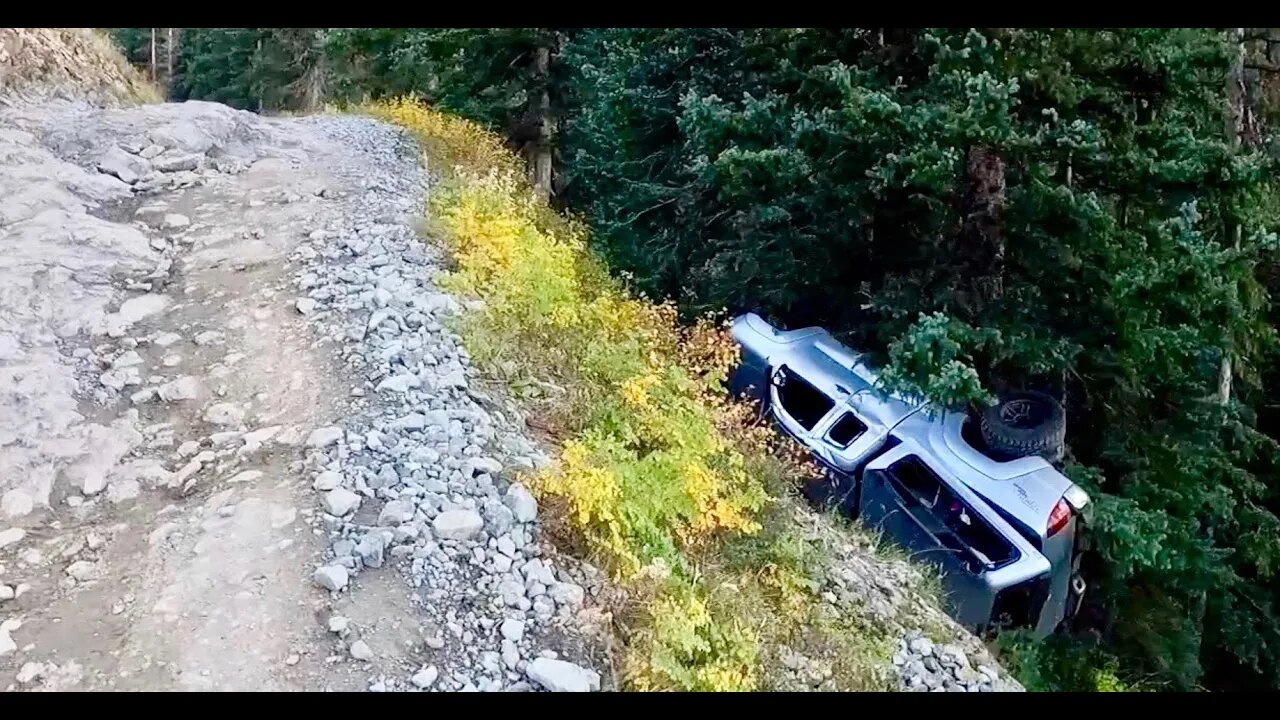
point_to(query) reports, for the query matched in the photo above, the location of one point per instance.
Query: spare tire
(1025, 424)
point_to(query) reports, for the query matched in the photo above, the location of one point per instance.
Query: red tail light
(1058, 517)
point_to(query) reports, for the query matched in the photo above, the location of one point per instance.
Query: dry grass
(71, 62)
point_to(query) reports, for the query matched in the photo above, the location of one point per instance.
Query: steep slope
(728, 581)
(67, 62)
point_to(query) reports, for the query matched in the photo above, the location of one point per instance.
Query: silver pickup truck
(1004, 530)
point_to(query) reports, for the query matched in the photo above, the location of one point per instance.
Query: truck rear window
(802, 401)
(962, 528)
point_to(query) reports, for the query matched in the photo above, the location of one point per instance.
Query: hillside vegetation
(1087, 211)
(680, 494)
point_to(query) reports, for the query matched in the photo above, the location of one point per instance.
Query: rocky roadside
(421, 478)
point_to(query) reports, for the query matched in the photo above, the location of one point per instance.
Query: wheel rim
(1023, 413)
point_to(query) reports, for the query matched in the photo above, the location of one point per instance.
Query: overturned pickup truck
(975, 494)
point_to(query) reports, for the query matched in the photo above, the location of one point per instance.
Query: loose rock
(340, 501)
(562, 676)
(331, 577)
(458, 524)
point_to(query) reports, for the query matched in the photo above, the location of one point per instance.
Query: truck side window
(802, 401)
(918, 480)
(846, 430)
(974, 533)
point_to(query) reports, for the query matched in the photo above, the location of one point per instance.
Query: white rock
(510, 654)
(123, 165)
(454, 379)
(165, 339)
(82, 570)
(176, 163)
(289, 436)
(113, 379)
(30, 672)
(327, 480)
(208, 337)
(11, 536)
(133, 310)
(360, 650)
(511, 592)
(425, 678)
(261, 436)
(122, 491)
(536, 570)
(398, 383)
(188, 448)
(522, 503)
(224, 414)
(378, 318)
(183, 135)
(183, 388)
(224, 438)
(331, 577)
(567, 594)
(561, 676)
(437, 418)
(340, 501)
(458, 524)
(486, 465)
(324, 437)
(174, 221)
(512, 629)
(144, 395)
(507, 547)
(338, 624)
(305, 306)
(128, 358)
(244, 476)
(16, 503)
(412, 421)
(396, 512)
(7, 593)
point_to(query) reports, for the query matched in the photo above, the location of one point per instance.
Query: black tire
(1025, 424)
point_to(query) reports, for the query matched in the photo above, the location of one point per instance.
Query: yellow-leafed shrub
(687, 646)
(448, 139)
(655, 469)
(646, 471)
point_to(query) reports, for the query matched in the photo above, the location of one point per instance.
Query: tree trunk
(1239, 131)
(257, 55)
(540, 151)
(153, 54)
(168, 57)
(981, 250)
